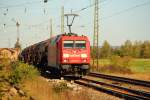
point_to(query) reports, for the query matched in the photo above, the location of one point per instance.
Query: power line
(89, 6)
(32, 25)
(116, 13)
(127, 10)
(18, 5)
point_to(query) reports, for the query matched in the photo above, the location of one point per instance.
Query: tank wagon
(62, 54)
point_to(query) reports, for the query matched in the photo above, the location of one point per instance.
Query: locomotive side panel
(52, 52)
(51, 57)
(59, 52)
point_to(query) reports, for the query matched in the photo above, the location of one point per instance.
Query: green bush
(59, 87)
(120, 61)
(118, 65)
(22, 71)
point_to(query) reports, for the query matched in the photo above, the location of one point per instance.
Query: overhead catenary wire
(88, 6)
(21, 4)
(91, 5)
(107, 17)
(126, 10)
(116, 13)
(28, 3)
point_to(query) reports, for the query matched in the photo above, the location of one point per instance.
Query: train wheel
(56, 73)
(85, 71)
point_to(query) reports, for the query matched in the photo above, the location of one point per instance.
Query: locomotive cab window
(68, 44)
(80, 44)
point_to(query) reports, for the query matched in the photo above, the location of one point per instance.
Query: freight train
(61, 55)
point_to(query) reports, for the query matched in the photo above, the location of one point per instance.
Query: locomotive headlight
(65, 60)
(65, 55)
(83, 55)
(84, 60)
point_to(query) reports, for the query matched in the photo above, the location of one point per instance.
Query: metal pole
(62, 20)
(96, 34)
(51, 28)
(97, 8)
(18, 35)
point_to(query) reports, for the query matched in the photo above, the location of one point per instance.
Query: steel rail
(112, 92)
(121, 79)
(140, 93)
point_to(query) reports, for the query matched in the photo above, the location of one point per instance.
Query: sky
(119, 20)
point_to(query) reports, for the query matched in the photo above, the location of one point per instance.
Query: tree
(117, 52)
(137, 49)
(145, 49)
(106, 50)
(127, 49)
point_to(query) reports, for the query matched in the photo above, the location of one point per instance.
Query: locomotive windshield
(80, 44)
(68, 44)
(74, 44)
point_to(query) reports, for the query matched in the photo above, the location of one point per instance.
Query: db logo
(74, 51)
(74, 55)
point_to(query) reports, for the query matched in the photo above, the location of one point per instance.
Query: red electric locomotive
(62, 54)
(69, 53)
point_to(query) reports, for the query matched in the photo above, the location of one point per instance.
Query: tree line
(137, 49)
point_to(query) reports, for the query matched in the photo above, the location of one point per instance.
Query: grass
(140, 65)
(136, 65)
(40, 89)
(102, 62)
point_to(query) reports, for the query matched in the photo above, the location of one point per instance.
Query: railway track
(118, 91)
(121, 79)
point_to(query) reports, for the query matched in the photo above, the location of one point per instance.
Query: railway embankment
(12, 76)
(22, 81)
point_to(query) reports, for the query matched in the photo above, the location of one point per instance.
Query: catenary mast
(96, 34)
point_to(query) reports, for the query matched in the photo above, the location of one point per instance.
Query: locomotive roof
(57, 37)
(45, 42)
